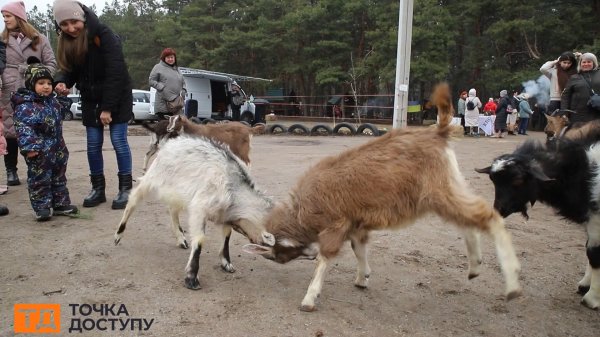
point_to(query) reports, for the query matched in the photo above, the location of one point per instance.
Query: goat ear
(485, 170)
(255, 249)
(536, 171)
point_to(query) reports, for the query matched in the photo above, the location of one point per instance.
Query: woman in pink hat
(22, 41)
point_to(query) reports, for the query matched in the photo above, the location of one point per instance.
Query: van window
(141, 97)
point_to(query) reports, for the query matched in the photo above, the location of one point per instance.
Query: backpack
(470, 105)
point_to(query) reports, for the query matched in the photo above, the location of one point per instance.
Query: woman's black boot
(96, 196)
(125, 185)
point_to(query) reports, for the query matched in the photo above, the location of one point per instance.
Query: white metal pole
(403, 63)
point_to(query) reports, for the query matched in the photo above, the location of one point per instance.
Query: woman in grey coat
(22, 41)
(167, 80)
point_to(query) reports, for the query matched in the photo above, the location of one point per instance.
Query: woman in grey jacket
(167, 80)
(22, 41)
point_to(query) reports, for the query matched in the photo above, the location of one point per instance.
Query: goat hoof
(192, 283)
(582, 290)
(308, 308)
(184, 245)
(591, 302)
(472, 276)
(228, 268)
(117, 240)
(514, 294)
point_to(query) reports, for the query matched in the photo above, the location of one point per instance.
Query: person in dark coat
(579, 89)
(501, 114)
(90, 56)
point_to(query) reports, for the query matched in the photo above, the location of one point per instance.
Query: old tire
(321, 130)
(367, 129)
(298, 129)
(344, 129)
(196, 120)
(247, 117)
(276, 129)
(209, 121)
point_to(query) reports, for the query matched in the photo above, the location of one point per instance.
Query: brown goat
(235, 134)
(158, 136)
(387, 183)
(559, 127)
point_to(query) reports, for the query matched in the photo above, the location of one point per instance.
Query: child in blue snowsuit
(38, 122)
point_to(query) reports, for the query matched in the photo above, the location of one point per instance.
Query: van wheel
(344, 129)
(245, 123)
(298, 129)
(247, 117)
(209, 121)
(68, 116)
(276, 129)
(321, 130)
(196, 120)
(367, 129)
(131, 121)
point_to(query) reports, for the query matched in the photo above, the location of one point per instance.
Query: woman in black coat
(501, 114)
(90, 56)
(578, 91)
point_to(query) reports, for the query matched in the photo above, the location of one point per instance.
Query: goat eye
(517, 182)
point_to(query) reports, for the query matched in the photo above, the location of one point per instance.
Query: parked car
(75, 111)
(142, 108)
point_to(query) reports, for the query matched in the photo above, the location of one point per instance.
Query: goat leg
(363, 270)
(176, 227)
(592, 298)
(316, 284)
(473, 252)
(224, 253)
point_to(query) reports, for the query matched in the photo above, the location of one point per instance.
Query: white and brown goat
(387, 183)
(203, 177)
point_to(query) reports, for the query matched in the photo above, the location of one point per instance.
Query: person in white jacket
(472, 113)
(559, 71)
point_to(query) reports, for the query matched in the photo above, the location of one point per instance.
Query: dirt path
(418, 286)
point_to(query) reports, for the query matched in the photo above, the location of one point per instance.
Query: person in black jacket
(501, 114)
(90, 56)
(579, 89)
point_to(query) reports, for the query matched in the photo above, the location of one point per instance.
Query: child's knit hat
(35, 71)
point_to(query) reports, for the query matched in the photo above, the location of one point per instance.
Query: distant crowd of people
(574, 80)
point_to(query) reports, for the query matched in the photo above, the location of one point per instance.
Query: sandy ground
(418, 286)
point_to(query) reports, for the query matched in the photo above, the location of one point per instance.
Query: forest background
(320, 48)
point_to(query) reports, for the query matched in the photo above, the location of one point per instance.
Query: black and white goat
(212, 184)
(565, 177)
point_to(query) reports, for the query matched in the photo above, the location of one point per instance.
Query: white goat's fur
(204, 177)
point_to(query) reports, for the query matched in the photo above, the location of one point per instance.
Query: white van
(211, 90)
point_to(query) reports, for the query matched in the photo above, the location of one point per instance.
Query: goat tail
(443, 101)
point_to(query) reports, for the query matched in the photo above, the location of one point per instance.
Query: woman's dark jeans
(118, 137)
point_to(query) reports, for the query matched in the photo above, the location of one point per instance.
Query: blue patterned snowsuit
(38, 123)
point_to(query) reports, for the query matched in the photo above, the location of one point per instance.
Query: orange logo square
(37, 318)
